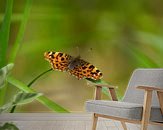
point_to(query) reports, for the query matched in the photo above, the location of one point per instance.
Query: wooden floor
(51, 121)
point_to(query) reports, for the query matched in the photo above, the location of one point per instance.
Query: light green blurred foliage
(116, 36)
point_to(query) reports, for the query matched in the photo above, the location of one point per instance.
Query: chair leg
(146, 110)
(95, 119)
(124, 125)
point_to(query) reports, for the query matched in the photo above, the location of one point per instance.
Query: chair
(141, 104)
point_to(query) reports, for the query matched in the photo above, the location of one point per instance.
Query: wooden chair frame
(146, 106)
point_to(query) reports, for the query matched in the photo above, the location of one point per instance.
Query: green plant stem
(42, 99)
(38, 77)
(14, 107)
(21, 31)
(4, 38)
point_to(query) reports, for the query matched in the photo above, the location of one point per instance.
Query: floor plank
(53, 121)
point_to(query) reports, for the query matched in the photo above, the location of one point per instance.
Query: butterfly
(74, 65)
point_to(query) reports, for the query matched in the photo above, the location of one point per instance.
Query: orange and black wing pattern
(86, 70)
(75, 66)
(58, 60)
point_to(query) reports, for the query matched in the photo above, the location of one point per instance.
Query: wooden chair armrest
(147, 88)
(101, 85)
(99, 88)
(159, 94)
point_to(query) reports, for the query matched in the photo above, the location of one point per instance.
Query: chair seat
(131, 111)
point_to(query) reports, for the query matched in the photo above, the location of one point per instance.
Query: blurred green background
(116, 36)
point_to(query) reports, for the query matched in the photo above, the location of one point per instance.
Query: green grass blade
(29, 85)
(4, 38)
(22, 98)
(42, 99)
(4, 32)
(3, 74)
(151, 39)
(21, 31)
(140, 58)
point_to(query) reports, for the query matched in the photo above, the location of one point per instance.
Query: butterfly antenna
(89, 51)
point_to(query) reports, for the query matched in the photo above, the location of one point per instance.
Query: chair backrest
(146, 77)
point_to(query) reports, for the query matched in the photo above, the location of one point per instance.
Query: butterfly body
(75, 62)
(74, 65)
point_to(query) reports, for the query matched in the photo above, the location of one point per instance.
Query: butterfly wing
(85, 70)
(76, 66)
(58, 60)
